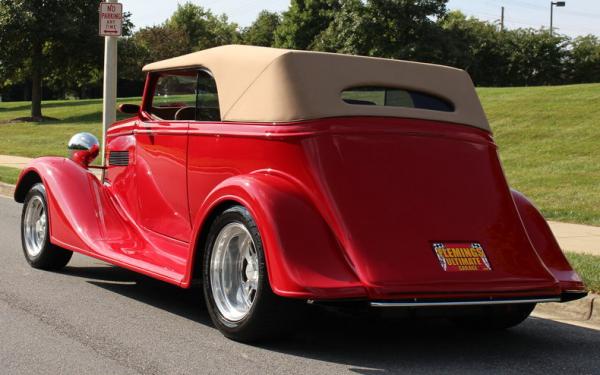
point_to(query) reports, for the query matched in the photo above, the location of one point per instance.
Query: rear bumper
(426, 303)
(458, 302)
(566, 296)
(572, 295)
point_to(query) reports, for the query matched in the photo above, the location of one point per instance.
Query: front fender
(303, 257)
(70, 190)
(546, 245)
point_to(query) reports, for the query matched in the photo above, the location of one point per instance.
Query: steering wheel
(181, 112)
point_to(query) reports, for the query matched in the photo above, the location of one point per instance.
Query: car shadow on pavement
(187, 303)
(381, 346)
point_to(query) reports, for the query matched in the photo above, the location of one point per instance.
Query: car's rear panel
(402, 187)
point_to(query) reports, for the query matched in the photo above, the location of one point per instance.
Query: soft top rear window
(394, 97)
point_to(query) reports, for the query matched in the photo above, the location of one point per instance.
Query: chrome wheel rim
(234, 271)
(34, 226)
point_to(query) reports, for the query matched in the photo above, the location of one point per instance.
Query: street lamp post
(552, 5)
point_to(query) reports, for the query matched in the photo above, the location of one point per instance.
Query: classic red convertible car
(274, 177)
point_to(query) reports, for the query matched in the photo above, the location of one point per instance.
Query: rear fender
(303, 257)
(546, 245)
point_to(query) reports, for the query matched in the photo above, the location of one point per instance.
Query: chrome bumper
(424, 303)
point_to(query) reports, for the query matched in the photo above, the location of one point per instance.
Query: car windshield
(187, 95)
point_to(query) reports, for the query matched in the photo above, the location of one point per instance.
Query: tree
(475, 46)
(345, 32)
(534, 57)
(162, 42)
(202, 27)
(386, 28)
(304, 21)
(585, 59)
(38, 43)
(403, 29)
(262, 30)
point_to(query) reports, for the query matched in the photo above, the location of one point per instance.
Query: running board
(417, 303)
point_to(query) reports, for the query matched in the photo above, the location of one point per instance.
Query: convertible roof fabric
(260, 84)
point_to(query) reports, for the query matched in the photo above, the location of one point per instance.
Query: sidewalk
(571, 237)
(576, 237)
(14, 161)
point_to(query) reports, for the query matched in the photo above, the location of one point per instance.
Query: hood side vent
(118, 158)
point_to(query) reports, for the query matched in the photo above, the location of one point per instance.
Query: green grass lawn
(9, 175)
(549, 140)
(588, 267)
(50, 137)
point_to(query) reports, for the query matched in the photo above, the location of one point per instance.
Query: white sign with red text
(111, 19)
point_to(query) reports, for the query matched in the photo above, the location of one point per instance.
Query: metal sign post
(111, 23)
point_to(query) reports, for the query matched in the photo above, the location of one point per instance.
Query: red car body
(348, 207)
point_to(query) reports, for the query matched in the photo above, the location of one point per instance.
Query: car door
(161, 154)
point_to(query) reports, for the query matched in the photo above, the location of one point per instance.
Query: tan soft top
(259, 84)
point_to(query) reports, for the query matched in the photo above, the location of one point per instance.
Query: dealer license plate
(461, 256)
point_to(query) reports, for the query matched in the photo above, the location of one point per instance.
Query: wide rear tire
(239, 298)
(35, 233)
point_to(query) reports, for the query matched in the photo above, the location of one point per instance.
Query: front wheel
(239, 298)
(35, 234)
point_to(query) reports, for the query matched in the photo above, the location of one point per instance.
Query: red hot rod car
(275, 176)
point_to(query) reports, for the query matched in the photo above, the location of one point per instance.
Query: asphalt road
(93, 318)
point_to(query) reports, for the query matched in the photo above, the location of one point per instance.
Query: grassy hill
(549, 143)
(50, 137)
(549, 139)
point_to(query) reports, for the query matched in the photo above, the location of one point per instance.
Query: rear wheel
(497, 317)
(35, 234)
(236, 287)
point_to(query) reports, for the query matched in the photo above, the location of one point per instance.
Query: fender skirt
(548, 249)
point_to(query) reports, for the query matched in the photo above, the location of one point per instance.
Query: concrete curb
(7, 190)
(585, 310)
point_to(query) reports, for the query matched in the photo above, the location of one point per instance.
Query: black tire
(270, 316)
(497, 317)
(49, 257)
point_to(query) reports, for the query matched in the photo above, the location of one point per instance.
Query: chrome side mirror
(83, 148)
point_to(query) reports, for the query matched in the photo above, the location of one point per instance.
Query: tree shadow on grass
(17, 108)
(70, 103)
(90, 118)
(85, 118)
(53, 104)
(381, 346)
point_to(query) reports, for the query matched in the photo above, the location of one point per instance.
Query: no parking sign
(111, 19)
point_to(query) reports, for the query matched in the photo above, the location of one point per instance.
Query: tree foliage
(304, 21)
(202, 27)
(404, 29)
(38, 45)
(262, 31)
(585, 59)
(54, 42)
(500, 58)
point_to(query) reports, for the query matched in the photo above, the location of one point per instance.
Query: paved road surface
(93, 318)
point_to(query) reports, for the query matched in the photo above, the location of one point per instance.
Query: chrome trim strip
(463, 303)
